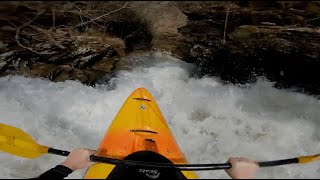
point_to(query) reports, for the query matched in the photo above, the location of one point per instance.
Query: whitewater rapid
(211, 121)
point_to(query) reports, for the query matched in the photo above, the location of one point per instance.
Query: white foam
(210, 121)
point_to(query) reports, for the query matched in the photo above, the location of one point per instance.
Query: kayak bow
(139, 126)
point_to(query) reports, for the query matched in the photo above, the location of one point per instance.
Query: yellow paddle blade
(307, 159)
(16, 142)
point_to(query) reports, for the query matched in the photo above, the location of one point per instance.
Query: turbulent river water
(210, 120)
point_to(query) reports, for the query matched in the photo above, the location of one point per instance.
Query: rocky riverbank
(236, 41)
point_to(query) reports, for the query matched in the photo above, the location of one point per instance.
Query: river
(210, 120)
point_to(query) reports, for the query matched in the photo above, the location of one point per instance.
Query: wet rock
(2, 46)
(106, 64)
(2, 64)
(5, 55)
(23, 65)
(62, 75)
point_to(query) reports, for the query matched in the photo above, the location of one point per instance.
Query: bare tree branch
(92, 20)
(82, 14)
(312, 19)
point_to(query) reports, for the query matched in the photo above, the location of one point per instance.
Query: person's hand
(242, 168)
(78, 159)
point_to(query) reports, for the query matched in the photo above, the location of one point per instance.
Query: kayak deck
(138, 126)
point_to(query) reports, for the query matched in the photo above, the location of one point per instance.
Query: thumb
(91, 152)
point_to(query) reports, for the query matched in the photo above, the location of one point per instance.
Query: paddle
(16, 142)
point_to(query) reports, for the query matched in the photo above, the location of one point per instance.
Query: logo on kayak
(143, 107)
(153, 174)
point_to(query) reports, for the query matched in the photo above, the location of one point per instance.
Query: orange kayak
(139, 132)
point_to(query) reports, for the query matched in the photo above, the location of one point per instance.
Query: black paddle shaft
(58, 152)
(191, 167)
(186, 167)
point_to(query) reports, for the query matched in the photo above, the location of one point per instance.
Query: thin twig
(80, 11)
(93, 5)
(313, 19)
(124, 6)
(80, 14)
(225, 25)
(53, 19)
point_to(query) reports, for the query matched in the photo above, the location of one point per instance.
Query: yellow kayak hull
(138, 126)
